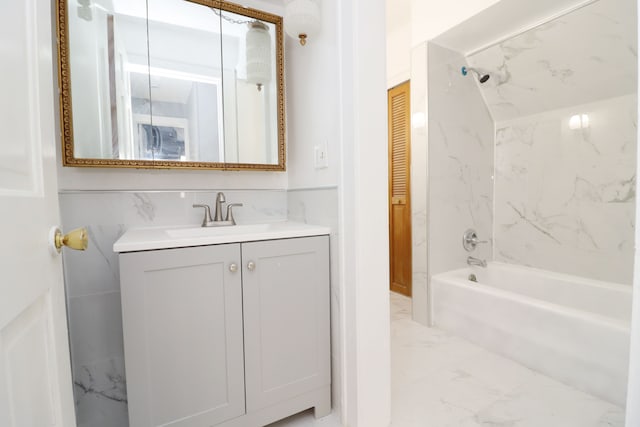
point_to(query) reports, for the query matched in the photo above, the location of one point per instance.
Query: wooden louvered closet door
(399, 189)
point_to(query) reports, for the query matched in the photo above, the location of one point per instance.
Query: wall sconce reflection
(579, 121)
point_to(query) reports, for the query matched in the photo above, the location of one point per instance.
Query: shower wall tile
(565, 199)
(92, 280)
(419, 179)
(588, 55)
(461, 151)
(320, 207)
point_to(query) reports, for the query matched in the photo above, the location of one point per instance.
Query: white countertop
(144, 239)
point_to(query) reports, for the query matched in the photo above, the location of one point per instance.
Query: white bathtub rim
(622, 287)
(587, 316)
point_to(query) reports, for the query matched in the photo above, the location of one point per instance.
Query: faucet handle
(230, 212)
(207, 214)
(470, 240)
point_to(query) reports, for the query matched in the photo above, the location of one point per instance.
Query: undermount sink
(217, 231)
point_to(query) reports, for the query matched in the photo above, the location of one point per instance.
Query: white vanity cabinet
(233, 335)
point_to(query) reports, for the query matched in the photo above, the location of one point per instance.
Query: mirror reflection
(173, 83)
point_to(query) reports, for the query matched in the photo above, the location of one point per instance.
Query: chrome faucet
(475, 261)
(220, 199)
(217, 220)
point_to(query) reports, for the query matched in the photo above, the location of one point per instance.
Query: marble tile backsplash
(93, 284)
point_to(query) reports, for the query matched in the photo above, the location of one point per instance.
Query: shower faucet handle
(470, 240)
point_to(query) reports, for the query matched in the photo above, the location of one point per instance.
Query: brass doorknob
(77, 239)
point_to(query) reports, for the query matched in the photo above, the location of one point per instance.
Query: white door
(35, 373)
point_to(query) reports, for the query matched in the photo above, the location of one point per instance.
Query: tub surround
(461, 151)
(564, 190)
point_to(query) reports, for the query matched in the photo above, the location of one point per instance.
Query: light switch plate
(321, 159)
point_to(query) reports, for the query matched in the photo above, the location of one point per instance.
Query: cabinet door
(182, 314)
(286, 318)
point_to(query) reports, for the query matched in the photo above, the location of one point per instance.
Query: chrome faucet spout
(475, 261)
(220, 199)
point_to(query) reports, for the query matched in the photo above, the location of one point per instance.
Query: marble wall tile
(585, 56)
(320, 207)
(92, 280)
(95, 327)
(461, 151)
(419, 177)
(100, 391)
(565, 199)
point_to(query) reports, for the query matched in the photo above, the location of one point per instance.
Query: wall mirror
(194, 84)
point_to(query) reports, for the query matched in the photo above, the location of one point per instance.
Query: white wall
(399, 54)
(364, 214)
(398, 21)
(312, 96)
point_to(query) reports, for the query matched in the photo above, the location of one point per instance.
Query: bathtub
(573, 329)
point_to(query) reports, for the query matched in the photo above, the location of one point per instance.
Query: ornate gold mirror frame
(66, 116)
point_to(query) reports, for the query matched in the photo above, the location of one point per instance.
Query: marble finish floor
(440, 380)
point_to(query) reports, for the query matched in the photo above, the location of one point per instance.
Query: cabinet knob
(233, 267)
(251, 265)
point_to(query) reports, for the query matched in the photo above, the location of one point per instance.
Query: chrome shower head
(482, 78)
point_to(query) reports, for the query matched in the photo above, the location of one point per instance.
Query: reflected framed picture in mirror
(194, 84)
